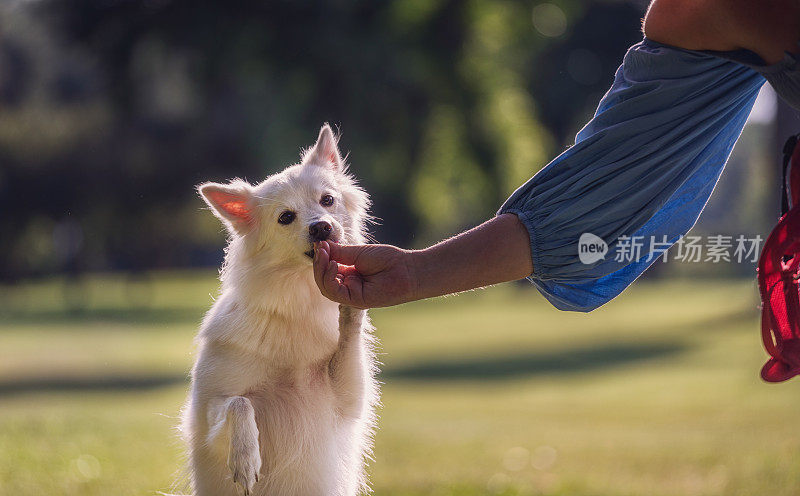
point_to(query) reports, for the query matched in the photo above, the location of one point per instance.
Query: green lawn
(490, 392)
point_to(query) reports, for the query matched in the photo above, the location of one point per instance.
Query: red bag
(778, 274)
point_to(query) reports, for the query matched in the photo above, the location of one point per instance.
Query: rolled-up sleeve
(642, 168)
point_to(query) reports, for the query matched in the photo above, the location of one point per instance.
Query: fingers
(344, 254)
(346, 271)
(327, 277)
(331, 282)
(321, 259)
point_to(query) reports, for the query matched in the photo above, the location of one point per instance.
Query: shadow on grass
(528, 364)
(717, 323)
(577, 360)
(177, 315)
(568, 361)
(495, 368)
(79, 384)
(122, 315)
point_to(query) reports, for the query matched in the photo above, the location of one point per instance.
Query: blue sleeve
(645, 165)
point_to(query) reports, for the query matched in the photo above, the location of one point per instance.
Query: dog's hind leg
(347, 366)
(233, 419)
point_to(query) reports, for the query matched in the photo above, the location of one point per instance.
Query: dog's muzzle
(320, 231)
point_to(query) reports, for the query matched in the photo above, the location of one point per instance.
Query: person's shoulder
(691, 24)
(767, 28)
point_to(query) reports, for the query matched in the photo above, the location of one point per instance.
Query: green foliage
(494, 63)
(113, 112)
(450, 188)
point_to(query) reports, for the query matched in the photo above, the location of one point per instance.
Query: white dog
(283, 392)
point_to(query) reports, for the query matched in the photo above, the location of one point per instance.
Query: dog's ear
(233, 203)
(325, 151)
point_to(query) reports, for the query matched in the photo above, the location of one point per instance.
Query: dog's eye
(326, 200)
(286, 217)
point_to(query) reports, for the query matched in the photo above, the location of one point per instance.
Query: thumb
(345, 254)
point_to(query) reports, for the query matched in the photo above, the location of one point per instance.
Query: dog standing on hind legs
(283, 393)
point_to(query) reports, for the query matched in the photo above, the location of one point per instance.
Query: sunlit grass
(490, 392)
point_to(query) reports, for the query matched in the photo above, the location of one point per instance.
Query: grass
(490, 392)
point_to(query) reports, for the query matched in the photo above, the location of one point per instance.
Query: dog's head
(279, 219)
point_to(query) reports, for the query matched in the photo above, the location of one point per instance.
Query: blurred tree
(113, 110)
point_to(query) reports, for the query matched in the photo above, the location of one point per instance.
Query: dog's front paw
(244, 461)
(350, 318)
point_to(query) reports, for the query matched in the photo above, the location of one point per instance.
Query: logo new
(591, 248)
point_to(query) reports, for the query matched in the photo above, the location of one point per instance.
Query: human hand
(364, 276)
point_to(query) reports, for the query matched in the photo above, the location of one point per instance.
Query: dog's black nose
(320, 231)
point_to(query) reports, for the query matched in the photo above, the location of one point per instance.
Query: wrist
(415, 267)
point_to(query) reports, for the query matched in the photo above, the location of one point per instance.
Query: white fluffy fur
(283, 392)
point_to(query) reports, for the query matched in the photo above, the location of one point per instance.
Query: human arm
(641, 170)
(367, 276)
(766, 28)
